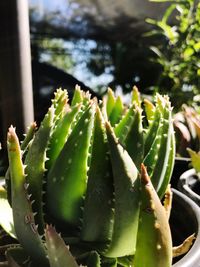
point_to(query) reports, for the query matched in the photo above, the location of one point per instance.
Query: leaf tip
(144, 175)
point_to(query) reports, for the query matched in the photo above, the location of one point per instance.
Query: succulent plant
(187, 130)
(195, 160)
(84, 170)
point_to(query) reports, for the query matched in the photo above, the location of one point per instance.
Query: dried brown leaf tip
(144, 175)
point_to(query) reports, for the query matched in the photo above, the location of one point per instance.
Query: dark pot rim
(192, 258)
(183, 185)
(179, 158)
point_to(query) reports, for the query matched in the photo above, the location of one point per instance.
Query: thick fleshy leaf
(80, 97)
(152, 131)
(24, 147)
(97, 213)
(93, 259)
(59, 104)
(195, 159)
(60, 134)
(169, 167)
(67, 179)
(28, 136)
(58, 253)
(163, 161)
(35, 165)
(24, 222)
(17, 257)
(77, 97)
(117, 111)
(154, 236)
(149, 110)
(124, 125)
(6, 215)
(160, 146)
(134, 141)
(109, 102)
(130, 133)
(136, 96)
(126, 194)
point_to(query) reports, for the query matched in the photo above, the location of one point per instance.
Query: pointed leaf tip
(11, 136)
(110, 131)
(50, 229)
(11, 129)
(77, 87)
(144, 175)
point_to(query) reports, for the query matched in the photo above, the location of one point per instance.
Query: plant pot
(180, 166)
(189, 184)
(184, 221)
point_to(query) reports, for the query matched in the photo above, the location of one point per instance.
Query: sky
(49, 5)
(80, 71)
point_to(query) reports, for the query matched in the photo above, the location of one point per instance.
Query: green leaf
(151, 21)
(58, 253)
(59, 103)
(152, 132)
(157, 51)
(35, 165)
(117, 111)
(124, 125)
(154, 236)
(97, 213)
(160, 158)
(60, 134)
(126, 209)
(168, 12)
(24, 222)
(188, 52)
(170, 166)
(17, 257)
(67, 179)
(29, 136)
(6, 215)
(197, 46)
(108, 103)
(130, 133)
(136, 96)
(24, 147)
(134, 141)
(77, 97)
(149, 110)
(94, 260)
(195, 159)
(170, 32)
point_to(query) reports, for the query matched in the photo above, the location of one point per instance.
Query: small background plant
(187, 130)
(179, 52)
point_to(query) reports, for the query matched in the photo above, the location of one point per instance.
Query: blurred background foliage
(179, 53)
(160, 54)
(100, 45)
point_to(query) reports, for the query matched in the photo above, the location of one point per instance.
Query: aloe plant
(96, 170)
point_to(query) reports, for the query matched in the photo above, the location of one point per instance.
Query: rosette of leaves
(84, 171)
